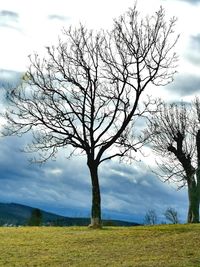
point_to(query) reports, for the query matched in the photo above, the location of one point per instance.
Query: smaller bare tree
(171, 215)
(175, 137)
(151, 217)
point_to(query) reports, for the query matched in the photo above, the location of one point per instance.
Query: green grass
(166, 245)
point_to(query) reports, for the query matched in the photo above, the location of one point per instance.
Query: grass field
(166, 245)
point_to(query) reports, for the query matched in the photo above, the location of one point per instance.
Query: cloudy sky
(63, 186)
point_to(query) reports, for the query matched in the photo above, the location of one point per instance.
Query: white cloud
(54, 171)
(37, 30)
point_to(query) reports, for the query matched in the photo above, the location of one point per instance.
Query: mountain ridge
(18, 214)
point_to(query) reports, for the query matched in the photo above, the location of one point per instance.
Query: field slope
(166, 245)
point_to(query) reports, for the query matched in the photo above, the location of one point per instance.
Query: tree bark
(96, 197)
(193, 197)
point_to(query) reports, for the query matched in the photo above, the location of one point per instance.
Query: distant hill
(17, 214)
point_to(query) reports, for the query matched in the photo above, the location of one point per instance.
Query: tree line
(86, 95)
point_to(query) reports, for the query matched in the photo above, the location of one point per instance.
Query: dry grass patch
(167, 245)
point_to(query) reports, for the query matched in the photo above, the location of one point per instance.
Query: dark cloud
(191, 1)
(134, 189)
(9, 14)
(193, 53)
(185, 85)
(53, 184)
(9, 19)
(63, 186)
(57, 17)
(196, 41)
(9, 78)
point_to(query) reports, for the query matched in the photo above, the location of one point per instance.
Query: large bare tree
(85, 93)
(175, 136)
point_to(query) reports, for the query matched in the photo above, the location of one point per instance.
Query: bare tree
(175, 136)
(85, 93)
(151, 217)
(171, 215)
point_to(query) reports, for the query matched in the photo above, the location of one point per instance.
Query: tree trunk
(193, 210)
(96, 197)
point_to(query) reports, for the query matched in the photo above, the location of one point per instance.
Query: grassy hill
(158, 246)
(17, 214)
